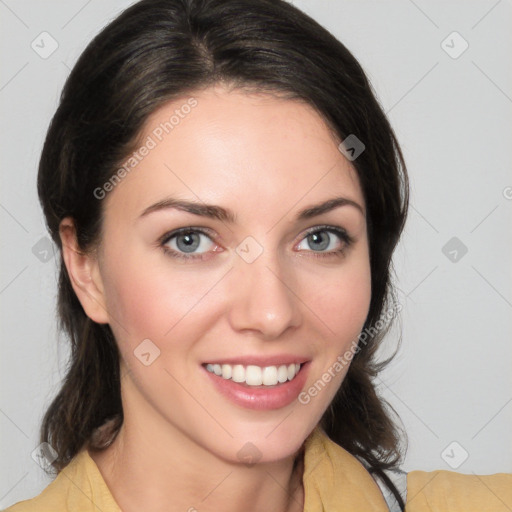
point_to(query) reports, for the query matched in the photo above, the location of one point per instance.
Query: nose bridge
(264, 300)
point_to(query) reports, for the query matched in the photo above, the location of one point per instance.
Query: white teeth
(227, 371)
(269, 376)
(255, 375)
(237, 373)
(282, 373)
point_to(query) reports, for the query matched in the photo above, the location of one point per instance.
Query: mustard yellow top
(333, 479)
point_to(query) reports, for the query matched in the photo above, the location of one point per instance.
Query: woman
(226, 194)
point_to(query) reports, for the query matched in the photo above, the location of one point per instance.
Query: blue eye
(196, 243)
(188, 243)
(327, 241)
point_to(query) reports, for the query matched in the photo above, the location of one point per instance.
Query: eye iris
(321, 238)
(191, 242)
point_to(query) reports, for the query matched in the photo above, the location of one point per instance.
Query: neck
(154, 466)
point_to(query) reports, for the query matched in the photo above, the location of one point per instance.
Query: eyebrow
(225, 215)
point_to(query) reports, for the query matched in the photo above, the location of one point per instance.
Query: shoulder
(79, 486)
(51, 499)
(447, 490)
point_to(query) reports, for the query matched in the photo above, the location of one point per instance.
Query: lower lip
(261, 398)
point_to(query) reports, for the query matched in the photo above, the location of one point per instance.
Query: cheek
(146, 300)
(343, 301)
(341, 310)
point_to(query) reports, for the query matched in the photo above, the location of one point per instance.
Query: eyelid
(340, 232)
(212, 234)
(179, 231)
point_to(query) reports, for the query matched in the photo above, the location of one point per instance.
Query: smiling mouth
(252, 375)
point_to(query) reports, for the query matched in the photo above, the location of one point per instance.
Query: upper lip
(262, 361)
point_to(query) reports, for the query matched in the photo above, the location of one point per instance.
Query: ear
(83, 272)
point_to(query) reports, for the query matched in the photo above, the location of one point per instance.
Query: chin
(256, 444)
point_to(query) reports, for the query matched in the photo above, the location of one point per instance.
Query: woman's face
(263, 279)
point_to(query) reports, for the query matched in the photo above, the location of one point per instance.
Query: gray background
(451, 382)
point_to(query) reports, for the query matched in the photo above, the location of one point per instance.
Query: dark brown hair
(159, 50)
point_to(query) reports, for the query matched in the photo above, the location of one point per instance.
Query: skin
(265, 159)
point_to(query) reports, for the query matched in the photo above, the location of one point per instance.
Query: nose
(263, 301)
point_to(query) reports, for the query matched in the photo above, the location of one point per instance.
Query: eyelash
(341, 233)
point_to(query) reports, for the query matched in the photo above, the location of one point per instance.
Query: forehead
(252, 150)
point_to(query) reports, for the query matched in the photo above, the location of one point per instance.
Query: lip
(264, 398)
